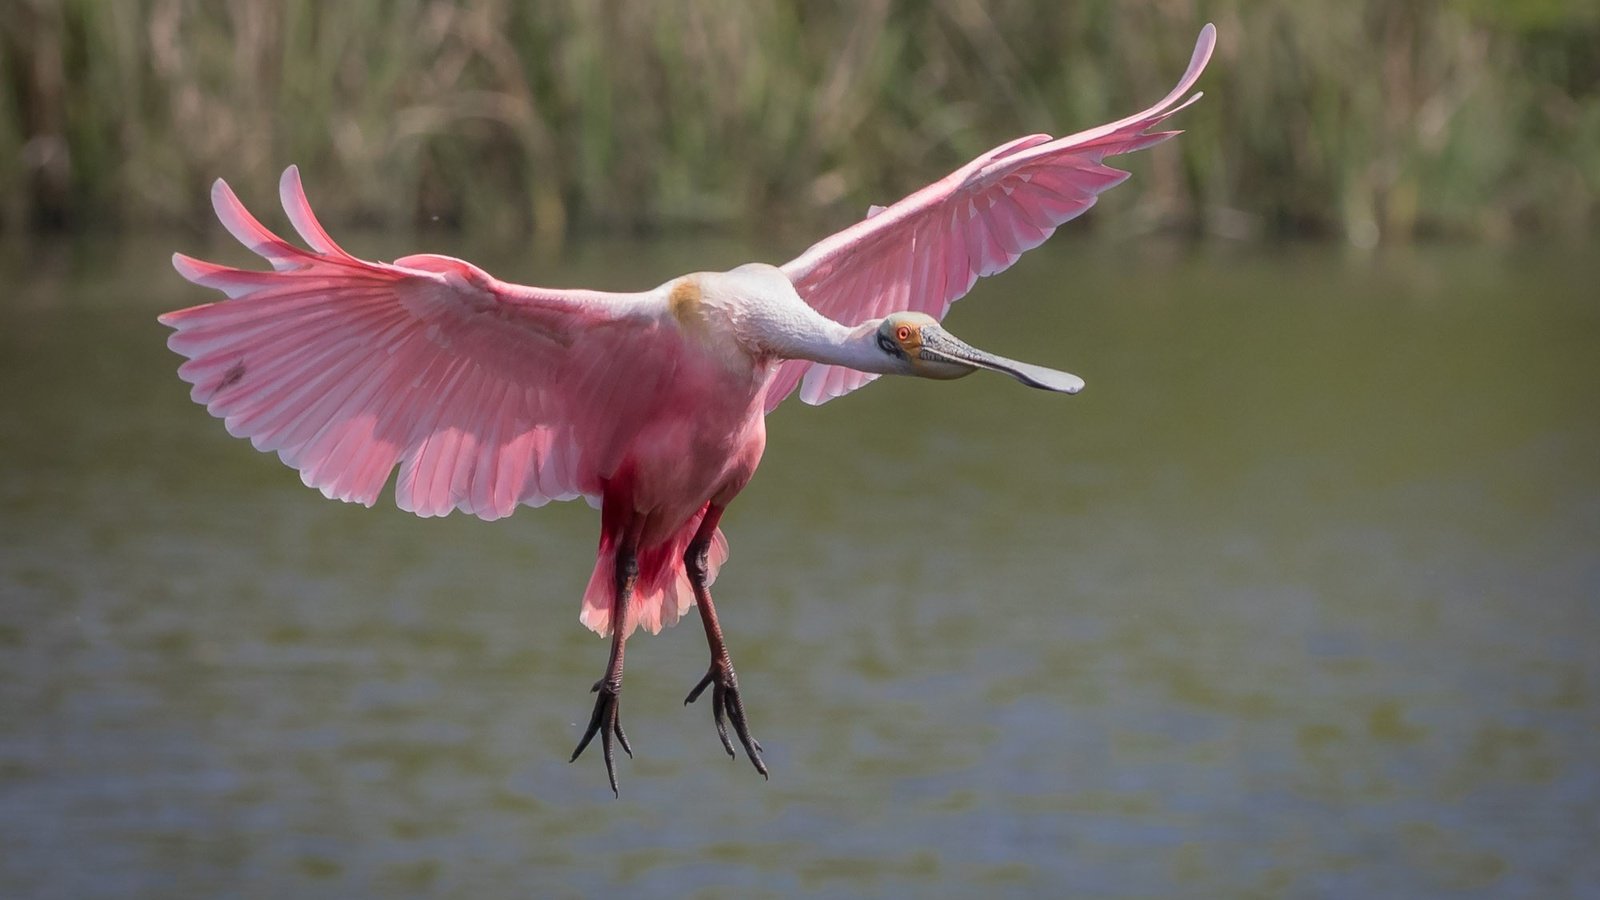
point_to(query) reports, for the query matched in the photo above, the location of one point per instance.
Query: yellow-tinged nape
(685, 301)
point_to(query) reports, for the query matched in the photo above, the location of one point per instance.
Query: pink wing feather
(926, 251)
(484, 393)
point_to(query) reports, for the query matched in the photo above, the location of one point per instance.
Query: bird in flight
(489, 395)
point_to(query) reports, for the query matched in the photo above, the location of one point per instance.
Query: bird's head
(916, 344)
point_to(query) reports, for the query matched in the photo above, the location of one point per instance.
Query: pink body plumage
(488, 395)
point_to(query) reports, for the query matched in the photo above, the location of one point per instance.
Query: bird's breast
(709, 329)
(701, 442)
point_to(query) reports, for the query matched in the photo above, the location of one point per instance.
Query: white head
(913, 343)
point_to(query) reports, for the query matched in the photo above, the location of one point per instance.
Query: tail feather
(663, 592)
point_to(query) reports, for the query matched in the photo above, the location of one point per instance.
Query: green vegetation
(1373, 119)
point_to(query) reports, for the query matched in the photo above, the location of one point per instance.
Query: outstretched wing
(926, 251)
(483, 392)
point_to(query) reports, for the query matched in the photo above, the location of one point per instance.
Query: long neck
(803, 333)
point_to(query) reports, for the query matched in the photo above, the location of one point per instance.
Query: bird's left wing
(926, 251)
(486, 394)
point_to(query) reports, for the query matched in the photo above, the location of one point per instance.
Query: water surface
(1300, 596)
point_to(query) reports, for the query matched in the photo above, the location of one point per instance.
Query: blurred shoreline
(1368, 123)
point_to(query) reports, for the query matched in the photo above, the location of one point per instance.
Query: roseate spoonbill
(649, 405)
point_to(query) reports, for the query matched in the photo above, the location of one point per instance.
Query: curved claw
(726, 706)
(711, 675)
(606, 720)
(718, 706)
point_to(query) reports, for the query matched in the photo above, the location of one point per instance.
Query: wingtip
(291, 193)
(221, 195)
(187, 266)
(1204, 45)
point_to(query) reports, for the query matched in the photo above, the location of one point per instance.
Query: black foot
(725, 701)
(605, 722)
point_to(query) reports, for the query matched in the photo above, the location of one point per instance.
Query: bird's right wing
(484, 393)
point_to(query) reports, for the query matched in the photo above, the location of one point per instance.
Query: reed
(1371, 120)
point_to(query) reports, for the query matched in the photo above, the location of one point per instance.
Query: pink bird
(651, 405)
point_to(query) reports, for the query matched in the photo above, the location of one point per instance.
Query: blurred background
(1367, 121)
(1299, 598)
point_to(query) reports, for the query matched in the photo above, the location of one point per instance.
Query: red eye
(902, 334)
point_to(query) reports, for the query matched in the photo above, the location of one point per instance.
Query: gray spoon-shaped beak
(940, 346)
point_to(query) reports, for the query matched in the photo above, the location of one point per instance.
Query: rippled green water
(1300, 596)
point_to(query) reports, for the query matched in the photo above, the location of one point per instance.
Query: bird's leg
(606, 719)
(724, 684)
